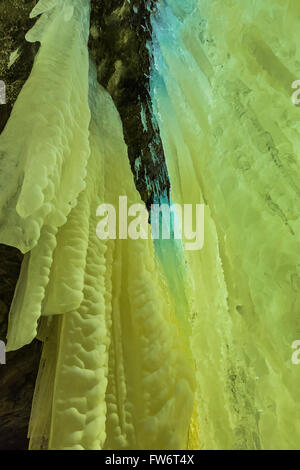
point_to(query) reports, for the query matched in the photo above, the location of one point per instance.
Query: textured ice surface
(123, 374)
(221, 84)
(116, 370)
(44, 147)
(44, 152)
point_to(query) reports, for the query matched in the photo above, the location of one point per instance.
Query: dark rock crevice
(120, 31)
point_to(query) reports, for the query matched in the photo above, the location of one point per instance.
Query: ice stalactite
(116, 370)
(44, 152)
(221, 87)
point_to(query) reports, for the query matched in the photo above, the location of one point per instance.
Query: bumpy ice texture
(44, 152)
(116, 371)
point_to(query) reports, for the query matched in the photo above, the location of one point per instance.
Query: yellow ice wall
(222, 84)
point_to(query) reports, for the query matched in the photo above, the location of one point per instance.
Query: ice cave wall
(221, 84)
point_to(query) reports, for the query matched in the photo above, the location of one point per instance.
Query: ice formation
(221, 86)
(116, 370)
